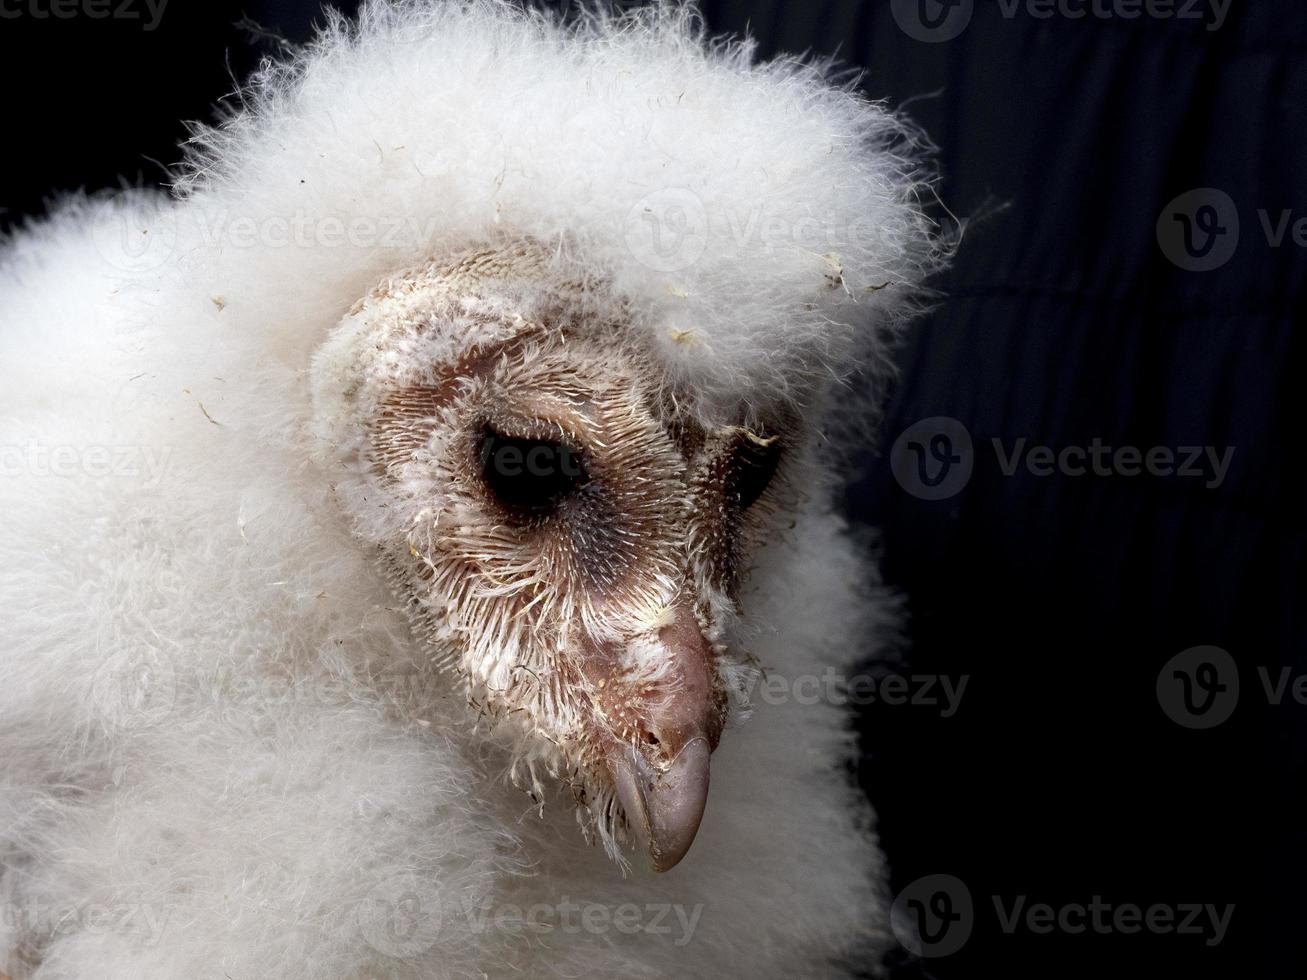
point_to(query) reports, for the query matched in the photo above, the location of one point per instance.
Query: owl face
(567, 527)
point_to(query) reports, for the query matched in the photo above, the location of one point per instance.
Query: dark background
(1060, 597)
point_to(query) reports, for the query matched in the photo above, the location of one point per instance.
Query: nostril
(651, 739)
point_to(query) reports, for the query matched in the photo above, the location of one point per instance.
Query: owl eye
(529, 476)
(754, 464)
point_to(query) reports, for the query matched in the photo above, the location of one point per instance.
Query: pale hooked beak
(663, 807)
(662, 783)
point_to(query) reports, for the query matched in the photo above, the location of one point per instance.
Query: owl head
(567, 522)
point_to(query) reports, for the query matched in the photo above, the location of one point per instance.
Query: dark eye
(752, 468)
(529, 476)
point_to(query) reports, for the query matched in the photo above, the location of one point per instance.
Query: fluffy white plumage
(224, 750)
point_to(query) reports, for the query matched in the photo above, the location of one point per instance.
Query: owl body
(310, 671)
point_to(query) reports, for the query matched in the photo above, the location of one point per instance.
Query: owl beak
(662, 783)
(663, 806)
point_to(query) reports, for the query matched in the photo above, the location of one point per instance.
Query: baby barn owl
(441, 466)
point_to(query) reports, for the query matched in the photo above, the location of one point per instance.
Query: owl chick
(445, 463)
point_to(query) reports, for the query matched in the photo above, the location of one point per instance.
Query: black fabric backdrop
(1060, 598)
